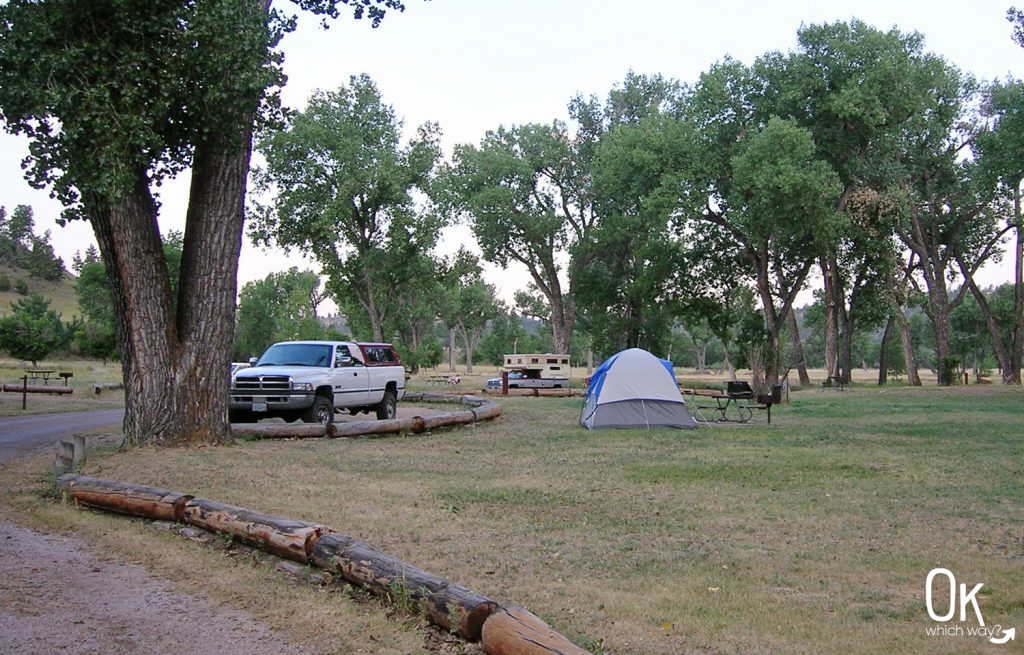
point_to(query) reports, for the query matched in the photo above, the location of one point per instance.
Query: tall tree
(527, 191)
(280, 307)
(469, 302)
(32, 330)
(116, 96)
(947, 221)
(761, 185)
(345, 193)
(854, 87)
(1000, 152)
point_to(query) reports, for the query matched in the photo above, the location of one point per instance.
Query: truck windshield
(296, 354)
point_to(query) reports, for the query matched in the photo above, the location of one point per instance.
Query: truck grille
(263, 383)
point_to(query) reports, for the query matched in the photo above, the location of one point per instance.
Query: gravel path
(56, 598)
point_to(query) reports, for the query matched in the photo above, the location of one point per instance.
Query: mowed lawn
(812, 535)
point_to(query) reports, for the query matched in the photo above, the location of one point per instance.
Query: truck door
(350, 380)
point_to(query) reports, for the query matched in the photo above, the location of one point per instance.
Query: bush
(21, 287)
(5, 283)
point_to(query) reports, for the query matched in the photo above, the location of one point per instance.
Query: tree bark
(830, 276)
(909, 362)
(883, 353)
(449, 605)
(797, 347)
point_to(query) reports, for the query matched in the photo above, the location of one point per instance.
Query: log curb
(480, 409)
(502, 630)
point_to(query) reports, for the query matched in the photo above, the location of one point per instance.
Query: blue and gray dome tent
(635, 389)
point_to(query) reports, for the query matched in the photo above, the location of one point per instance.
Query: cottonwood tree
(527, 191)
(854, 88)
(280, 307)
(468, 302)
(1000, 152)
(116, 96)
(345, 187)
(760, 184)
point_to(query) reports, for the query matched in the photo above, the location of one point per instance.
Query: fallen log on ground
(286, 430)
(108, 386)
(283, 537)
(125, 498)
(37, 388)
(508, 631)
(447, 604)
(514, 631)
(479, 409)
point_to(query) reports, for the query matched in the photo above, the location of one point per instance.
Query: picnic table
(39, 374)
(734, 405)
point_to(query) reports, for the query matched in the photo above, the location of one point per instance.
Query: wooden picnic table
(37, 374)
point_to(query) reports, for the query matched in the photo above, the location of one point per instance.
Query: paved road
(22, 435)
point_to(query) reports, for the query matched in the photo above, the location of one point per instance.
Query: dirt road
(56, 597)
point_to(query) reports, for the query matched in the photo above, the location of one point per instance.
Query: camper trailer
(546, 366)
(534, 371)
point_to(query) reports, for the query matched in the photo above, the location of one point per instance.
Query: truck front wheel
(386, 408)
(321, 411)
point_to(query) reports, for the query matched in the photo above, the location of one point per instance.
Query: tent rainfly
(635, 389)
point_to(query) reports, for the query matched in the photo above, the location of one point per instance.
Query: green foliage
(21, 287)
(32, 330)
(22, 248)
(5, 282)
(280, 307)
(345, 187)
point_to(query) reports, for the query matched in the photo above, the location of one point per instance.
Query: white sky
(472, 65)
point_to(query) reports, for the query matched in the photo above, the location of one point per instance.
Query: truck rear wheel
(321, 411)
(387, 407)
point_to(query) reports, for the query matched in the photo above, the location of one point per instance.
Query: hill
(60, 293)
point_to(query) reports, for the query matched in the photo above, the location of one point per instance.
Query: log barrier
(501, 630)
(479, 409)
(37, 388)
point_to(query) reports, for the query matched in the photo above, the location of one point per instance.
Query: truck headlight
(302, 386)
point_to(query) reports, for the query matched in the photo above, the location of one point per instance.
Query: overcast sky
(472, 65)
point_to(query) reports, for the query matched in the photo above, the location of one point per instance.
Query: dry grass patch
(811, 535)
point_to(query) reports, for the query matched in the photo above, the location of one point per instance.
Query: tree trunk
(938, 305)
(175, 363)
(846, 349)
(913, 379)
(883, 353)
(451, 350)
(798, 348)
(830, 275)
(563, 312)
(1017, 348)
(514, 631)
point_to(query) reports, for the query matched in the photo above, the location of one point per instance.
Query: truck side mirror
(253, 360)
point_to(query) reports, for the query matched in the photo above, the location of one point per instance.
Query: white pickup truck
(310, 380)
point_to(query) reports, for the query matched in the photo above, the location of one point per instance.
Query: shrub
(21, 287)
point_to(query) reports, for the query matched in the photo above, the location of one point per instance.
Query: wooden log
(514, 631)
(447, 604)
(126, 498)
(284, 537)
(37, 388)
(371, 428)
(109, 386)
(487, 412)
(280, 430)
(451, 418)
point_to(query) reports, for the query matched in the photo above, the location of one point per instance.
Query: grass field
(87, 372)
(812, 535)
